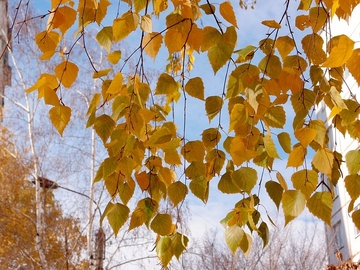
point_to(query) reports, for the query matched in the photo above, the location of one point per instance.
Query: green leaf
(227, 185)
(352, 159)
(117, 214)
(306, 181)
(275, 192)
(356, 218)
(166, 85)
(164, 250)
(245, 178)
(220, 54)
(177, 192)
(60, 117)
(195, 88)
(293, 202)
(104, 126)
(162, 224)
(233, 236)
(352, 184)
(213, 105)
(285, 141)
(105, 37)
(179, 244)
(320, 205)
(264, 233)
(200, 188)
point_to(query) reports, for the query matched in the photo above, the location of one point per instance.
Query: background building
(343, 236)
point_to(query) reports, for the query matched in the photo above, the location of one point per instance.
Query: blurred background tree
(63, 240)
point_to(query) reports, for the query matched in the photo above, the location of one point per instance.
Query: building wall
(343, 236)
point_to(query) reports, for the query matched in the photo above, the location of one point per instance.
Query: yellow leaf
(193, 151)
(270, 65)
(238, 116)
(177, 192)
(60, 117)
(138, 218)
(208, 8)
(177, 32)
(101, 10)
(281, 180)
(227, 11)
(104, 126)
(62, 18)
(215, 162)
(159, 6)
(160, 136)
(146, 23)
(270, 146)
(239, 151)
(105, 37)
(313, 47)
(166, 85)
(50, 96)
(233, 236)
(341, 51)
(117, 214)
(352, 159)
(213, 105)
(353, 65)
(245, 54)
(304, 4)
(152, 43)
(200, 188)
(164, 249)
(305, 135)
(284, 45)
(275, 116)
(293, 202)
(47, 43)
(352, 184)
(320, 205)
(245, 178)
(296, 157)
(318, 17)
(195, 88)
(116, 84)
(114, 57)
(101, 73)
(195, 38)
(220, 54)
(323, 160)
(124, 25)
(285, 141)
(275, 192)
(305, 181)
(302, 22)
(140, 5)
(66, 72)
(210, 138)
(143, 180)
(271, 24)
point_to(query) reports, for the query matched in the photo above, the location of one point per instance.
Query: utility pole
(5, 38)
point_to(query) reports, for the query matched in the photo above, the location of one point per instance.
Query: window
(357, 231)
(337, 236)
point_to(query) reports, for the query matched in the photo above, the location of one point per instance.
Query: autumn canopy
(297, 65)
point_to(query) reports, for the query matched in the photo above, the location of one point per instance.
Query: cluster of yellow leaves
(143, 145)
(17, 218)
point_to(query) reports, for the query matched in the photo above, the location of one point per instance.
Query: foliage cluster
(62, 239)
(137, 125)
